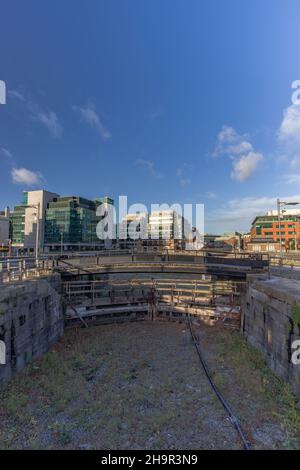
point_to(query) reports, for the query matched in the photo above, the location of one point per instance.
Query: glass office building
(17, 222)
(71, 222)
(17, 226)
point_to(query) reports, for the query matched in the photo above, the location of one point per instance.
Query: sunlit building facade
(71, 224)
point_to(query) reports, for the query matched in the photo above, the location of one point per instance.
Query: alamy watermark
(2, 92)
(296, 354)
(163, 221)
(2, 353)
(296, 95)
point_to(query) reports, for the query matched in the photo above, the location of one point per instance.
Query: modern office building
(17, 225)
(4, 229)
(168, 229)
(28, 220)
(71, 223)
(132, 229)
(267, 233)
(158, 230)
(67, 223)
(166, 225)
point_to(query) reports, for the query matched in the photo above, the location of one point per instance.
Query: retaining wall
(31, 321)
(271, 322)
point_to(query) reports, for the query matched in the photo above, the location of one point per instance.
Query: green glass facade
(71, 220)
(17, 221)
(17, 225)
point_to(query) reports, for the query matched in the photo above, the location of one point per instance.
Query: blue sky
(163, 100)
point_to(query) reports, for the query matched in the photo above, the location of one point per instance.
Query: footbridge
(186, 264)
(109, 264)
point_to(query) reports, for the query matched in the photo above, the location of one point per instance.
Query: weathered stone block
(268, 323)
(31, 321)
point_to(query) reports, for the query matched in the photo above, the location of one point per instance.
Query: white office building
(4, 228)
(28, 220)
(166, 225)
(132, 228)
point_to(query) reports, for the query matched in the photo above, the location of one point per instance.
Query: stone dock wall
(271, 322)
(31, 321)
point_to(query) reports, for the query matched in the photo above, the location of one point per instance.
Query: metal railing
(14, 269)
(192, 289)
(24, 267)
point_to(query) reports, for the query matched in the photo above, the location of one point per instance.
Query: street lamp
(61, 241)
(279, 204)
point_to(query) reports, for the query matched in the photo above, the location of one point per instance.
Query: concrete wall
(4, 230)
(270, 322)
(31, 321)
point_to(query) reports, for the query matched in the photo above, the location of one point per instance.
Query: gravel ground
(141, 386)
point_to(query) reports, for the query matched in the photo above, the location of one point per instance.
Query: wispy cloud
(149, 166)
(50, 121)
(240, 151)
(155, 113)
(47, 118)
(90, 116)
(27, 177)
(184, 182)
(289, 130)
(6, 153)
(16, 94)
(183, 179)
(8, 156)
(240, 212)
(288, 135)
(295, 162)
(210, 195)
(292, 178)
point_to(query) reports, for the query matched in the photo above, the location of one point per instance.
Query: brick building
(265, 233)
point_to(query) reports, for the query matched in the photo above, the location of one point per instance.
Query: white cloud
(240, 151)
(27, 177)
(289, 131)
(240, 148)
(237, 214)
(245, 166)
(227, 134)
(288, 134)
(90, 116)
(50, 120)
(149, 165)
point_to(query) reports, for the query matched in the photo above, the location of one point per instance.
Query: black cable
(234, 420)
